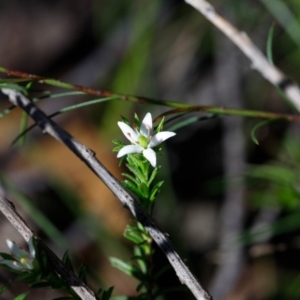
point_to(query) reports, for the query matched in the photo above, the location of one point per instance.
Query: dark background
(219, 185)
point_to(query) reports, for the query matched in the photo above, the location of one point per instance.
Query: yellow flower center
(143, 141)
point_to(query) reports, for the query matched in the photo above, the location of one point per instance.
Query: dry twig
(88, 157)
(242, 41)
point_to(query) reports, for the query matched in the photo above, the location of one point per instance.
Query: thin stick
(8, 209)
(242, 41)
(88, 157)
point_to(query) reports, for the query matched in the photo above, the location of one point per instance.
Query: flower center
(143, 141)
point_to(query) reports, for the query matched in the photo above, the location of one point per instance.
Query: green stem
(179, 107)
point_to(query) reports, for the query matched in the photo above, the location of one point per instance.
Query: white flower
(23, 260)
(142, 140)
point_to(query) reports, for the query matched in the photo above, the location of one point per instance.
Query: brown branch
(9, 211)
(88, 157)
(258, 59)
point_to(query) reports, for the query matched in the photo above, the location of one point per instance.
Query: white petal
(150, 155)
(15, 250)
(160, 137)
(146, 126)
(128, 132)
(130, 149)
(31, 248)
(12, 264)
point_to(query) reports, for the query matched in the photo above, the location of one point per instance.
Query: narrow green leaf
(29, 85)
(155, 190)
(117, 149)
(140, 286)
(122, 159)
(141, 259)
(144, 190)
(67, 261)
(82, 273)
(269, 49)
(21, 296)
(14, 87)
(160, 125)
(137, 172)
(63, 110)
(192, 120)
(137, 121)
(134, 159)
(107, 294)
(118, 142)
(153, 175)
(256, 127)
(126, 268)
(2, 289)
(133, 236)
(133, 179)
(39, 285)
(24, 121)
(126, 121)
(6, 256)
(132, 187)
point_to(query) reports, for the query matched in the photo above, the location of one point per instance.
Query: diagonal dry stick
(8, 209)
(88, 157)
(258, 59)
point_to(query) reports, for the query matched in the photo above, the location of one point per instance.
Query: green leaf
(28, 86)
(140, 286)
(39, 285)
(270, 44)
(126, 121)
(21, 296)
(14, 87)
(153, 175)
(126, 268)
(134, 236)
(107, 294)
(24, 121)
(192, 120)
(132, 187)
(135, 159)
(154, 190)
(31, 277)
(122, 160)
(269, 51)
(82, 273)
(137, 172)
(131, 178)
(137, 121)
(141, 163)
(67, 261)
(2, 289)
(258, 126)
(6, 256)
(160, 125)
(117, 149)
(141, 259)
(118, 142)
(144, 190)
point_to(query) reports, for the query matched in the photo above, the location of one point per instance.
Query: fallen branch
(88, 157)
(258, 59)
